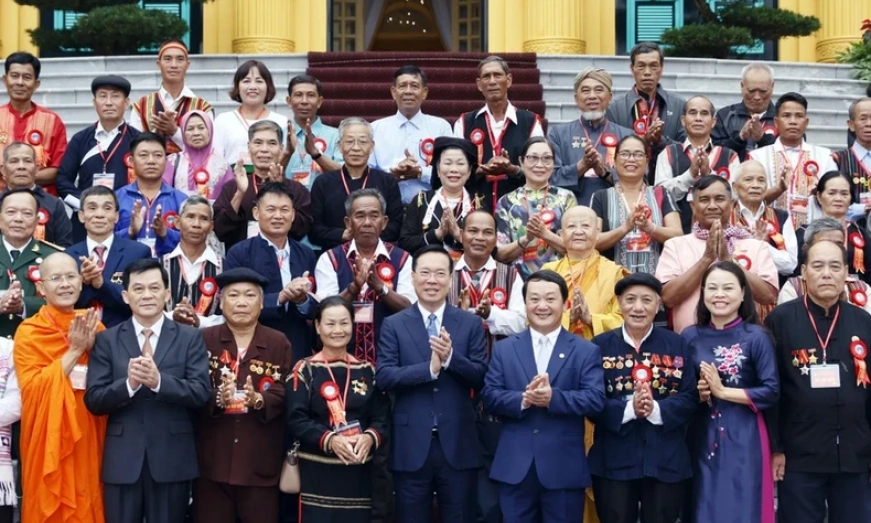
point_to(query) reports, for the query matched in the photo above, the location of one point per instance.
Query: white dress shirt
(140, 339)
(191, 273)
(542, 354)
(328, 281)
(787, 259)
(510, 114)
(679, 184)
(169, 103)
(439, 314)
(511, 319)
(396, 134)
(93, 244)
(655, 416)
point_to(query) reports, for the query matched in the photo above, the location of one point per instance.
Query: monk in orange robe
(62, 447)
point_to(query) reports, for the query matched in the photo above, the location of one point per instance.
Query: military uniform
(25, 269)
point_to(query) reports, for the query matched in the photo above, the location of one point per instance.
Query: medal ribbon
(337, 406)
(865, 180)
(496, 144)
(599, 140)
(825, 344)
(105, 158)
(476, 293)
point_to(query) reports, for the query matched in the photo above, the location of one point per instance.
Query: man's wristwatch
(385, 290)
(317, 156)
(258, 402)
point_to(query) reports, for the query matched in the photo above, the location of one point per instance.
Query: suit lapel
(416, 328)
(164, 344)
(561, 352)
(526, 354)
(271, 271)
(128, 339)
(113, 258)
(5, 258)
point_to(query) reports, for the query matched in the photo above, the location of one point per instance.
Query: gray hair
(494, 59)
(364, 193)
(16, 145)
(266, 125)
(196, 199)
(355, 120)
(821, 225)
(851, 111)
(757, 66)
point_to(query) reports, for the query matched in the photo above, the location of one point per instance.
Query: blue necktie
(431, 326)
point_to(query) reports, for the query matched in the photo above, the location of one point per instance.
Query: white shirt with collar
(104, 137)
(655, 415)
(140, 339)
(543, 359)
(863, 154)
(283, 255)
(93, 244)
(191, 271)
(510, 114)
(439, 318)
(169, 103)
(511, 319)
(396, 134)
(678, 185)
(327, 278)
(770, 156)
(10, 248)
(785, 260)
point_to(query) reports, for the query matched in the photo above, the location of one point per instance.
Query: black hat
(638, 278)
(442, 143)
(113, 81)
(239, 275)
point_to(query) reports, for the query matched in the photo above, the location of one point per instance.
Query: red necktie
(100, 250)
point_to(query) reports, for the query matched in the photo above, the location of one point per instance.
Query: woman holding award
(339, 419)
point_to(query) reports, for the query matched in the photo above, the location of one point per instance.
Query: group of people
(659, 310)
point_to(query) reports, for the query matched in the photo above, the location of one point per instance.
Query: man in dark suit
(19, 172)
(150, 375)
(103, 256)
(431, 356)
(543, 382)
(286, 263)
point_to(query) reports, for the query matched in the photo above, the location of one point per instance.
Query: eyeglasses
(58, 278)
(635, 155)
(534, 159)
(439, 275)
(351, 142)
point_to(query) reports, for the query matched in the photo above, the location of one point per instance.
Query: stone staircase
(829, 88)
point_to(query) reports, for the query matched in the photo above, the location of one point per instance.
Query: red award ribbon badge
(858, 242)
(769, 130)
(547, 216)
(427, 147)
(499, 297)
(723, 172)
(35, 138)
(811, 168)
(743, 261)
(641, 373)
(859, 351)
(609, 140)
(208, 289)
(386, 273)
(42, 217)
(477, 138)
(640, 126)
(330, 393)
(776, 237)
(131, 174)
(265, 384)
(201, 177)
(858, 297)
(321, 145)
(169, 219)
(33, 274)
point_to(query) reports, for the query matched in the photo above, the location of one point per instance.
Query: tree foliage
(859, 54)
(736, 24)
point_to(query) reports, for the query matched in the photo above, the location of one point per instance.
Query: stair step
(434, 59)
(434, 74)
(437, 91)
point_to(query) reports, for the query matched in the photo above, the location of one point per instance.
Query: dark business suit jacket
(256, 437)
(403, 368)
(158, 426)
(123, 253)
(255, 253)
(552, 438)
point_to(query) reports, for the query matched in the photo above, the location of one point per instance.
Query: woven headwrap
(171, 45)
(600, 75)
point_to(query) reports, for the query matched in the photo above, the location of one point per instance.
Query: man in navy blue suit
(103, 256)
(288, 264)
(431, 356)
(543, 382)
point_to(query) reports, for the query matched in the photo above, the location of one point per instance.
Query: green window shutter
(647, 19)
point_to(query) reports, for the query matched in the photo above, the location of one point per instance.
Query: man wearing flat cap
(98, 154)
(584, 148)
(639, 453)
(241, 429)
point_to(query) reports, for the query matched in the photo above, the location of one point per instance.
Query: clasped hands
(408, 168)
(296, 291)
(580, 311)
(482, 309)
(591, 160)
(538, 393)
(227, 391)
(92, 274)
(12, 301)
(642, 400)
(441, 350)
(143, 371)
(164, 123)
(710, 383)
(351, 449)
(137, 220)
(365, 274)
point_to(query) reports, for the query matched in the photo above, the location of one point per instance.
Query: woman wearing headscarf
(198, 169)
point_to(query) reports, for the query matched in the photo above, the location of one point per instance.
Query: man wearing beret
(639, 453)
(241, 429)
(99, 153)
(584, 155)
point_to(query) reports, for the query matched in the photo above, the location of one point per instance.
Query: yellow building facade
(542, 26)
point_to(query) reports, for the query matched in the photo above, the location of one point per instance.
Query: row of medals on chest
(650, 360)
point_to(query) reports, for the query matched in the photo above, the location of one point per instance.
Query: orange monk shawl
(62, 443)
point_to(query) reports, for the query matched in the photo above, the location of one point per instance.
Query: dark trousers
(455, 490)
(803, 497)
(6, 514)
(146, 498)
(617, 501)
(529, 502)
(382, 486)
(224, 503)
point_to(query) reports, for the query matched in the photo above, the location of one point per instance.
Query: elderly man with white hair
(767, 224)
(749, 124)
(584, 148)
(331, 189)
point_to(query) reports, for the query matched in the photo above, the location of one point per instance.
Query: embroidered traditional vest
(150, 105)
(680, 162)
(180, 289)
(504, 278)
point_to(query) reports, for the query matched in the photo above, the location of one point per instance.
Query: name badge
(237, 404)
(865, 198)
(79, 377)
(364, 312)
(253, 229)
(825, 377)
(637, 241)
(349, 429)
(105, 179)
(799, 204)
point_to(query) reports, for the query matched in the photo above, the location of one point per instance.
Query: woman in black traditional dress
(339, 419)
